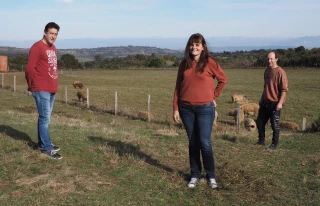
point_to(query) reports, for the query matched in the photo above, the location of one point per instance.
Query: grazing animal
(77, 84)
(241, 118)
(144, 115)
(81, 95)
(238, 98)
(234, 113)
(241, 102)
(250, 124)
(250, 108)
(289, 125)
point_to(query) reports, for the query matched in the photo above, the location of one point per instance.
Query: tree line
(292, 57)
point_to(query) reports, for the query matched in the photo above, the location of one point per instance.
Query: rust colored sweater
(42, 68)
(195, 88)
(275, 82)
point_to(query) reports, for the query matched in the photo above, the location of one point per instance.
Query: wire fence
(113, 102)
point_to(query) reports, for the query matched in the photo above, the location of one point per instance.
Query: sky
(25, 20)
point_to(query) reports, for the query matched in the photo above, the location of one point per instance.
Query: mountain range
(215, 44)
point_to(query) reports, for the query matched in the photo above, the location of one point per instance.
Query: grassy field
(123, 160)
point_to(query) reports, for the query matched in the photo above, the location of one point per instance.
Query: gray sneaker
(53, 154)
(272, 147)
(212, 183)
(55, 148)
(193, 182)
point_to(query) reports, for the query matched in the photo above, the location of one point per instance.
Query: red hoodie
(42, 68)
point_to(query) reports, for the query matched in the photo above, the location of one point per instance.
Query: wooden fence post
(88, 104)
(14, 83)
(115, 103)
(304, 123)
(66, 94)
(149, 108)
(238, 118)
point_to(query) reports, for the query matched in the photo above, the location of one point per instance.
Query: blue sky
(25, 20)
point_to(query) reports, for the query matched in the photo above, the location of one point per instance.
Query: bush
(157, 63)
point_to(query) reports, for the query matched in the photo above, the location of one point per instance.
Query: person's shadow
(17, 135)
(124, 149)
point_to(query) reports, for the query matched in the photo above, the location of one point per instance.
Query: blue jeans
(44, 102)
(198, 122)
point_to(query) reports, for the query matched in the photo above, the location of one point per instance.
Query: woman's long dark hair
(196, 38)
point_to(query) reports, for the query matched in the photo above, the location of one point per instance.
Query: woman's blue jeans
(198, 122)
(44, 102)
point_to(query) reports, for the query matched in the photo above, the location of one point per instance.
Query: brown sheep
(238, 98)
(234, 113)
(250, 124)
(241, 102)
(81, 95)
(289, 125)
(77, 84)
(250, 108)
(144, 115)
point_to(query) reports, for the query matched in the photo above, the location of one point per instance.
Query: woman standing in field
(195, 102)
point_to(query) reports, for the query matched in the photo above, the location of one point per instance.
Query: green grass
(122, 160)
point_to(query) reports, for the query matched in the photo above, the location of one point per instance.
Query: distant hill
(87, 49)
(88, 54)
(122, 51)
(216, 44)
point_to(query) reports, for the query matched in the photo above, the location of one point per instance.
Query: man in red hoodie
(42, 78)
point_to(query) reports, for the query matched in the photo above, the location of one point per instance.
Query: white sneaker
(212, 183)
(193, 182)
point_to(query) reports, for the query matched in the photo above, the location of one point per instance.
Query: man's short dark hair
(51, 25)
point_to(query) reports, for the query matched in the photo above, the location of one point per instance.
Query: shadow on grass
(227, 123)
(124, 149)
(17, 135)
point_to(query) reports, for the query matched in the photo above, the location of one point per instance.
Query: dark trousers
(198, 122)
(268, 111)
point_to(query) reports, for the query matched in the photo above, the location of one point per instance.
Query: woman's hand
(176, 117)
(214, 103)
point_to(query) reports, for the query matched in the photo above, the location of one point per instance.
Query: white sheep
(250, 124)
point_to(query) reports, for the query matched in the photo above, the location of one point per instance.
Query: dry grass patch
(167, 132)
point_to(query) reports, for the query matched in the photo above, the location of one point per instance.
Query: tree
(299, 49)
(18, 62)
(70, 62)
(157, 63)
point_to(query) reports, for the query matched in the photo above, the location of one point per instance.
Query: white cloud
(66, 1)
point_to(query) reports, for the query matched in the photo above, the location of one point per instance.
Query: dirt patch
(26, 109)
(31, 180)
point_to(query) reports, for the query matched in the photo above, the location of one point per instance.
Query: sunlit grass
(121, 160)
